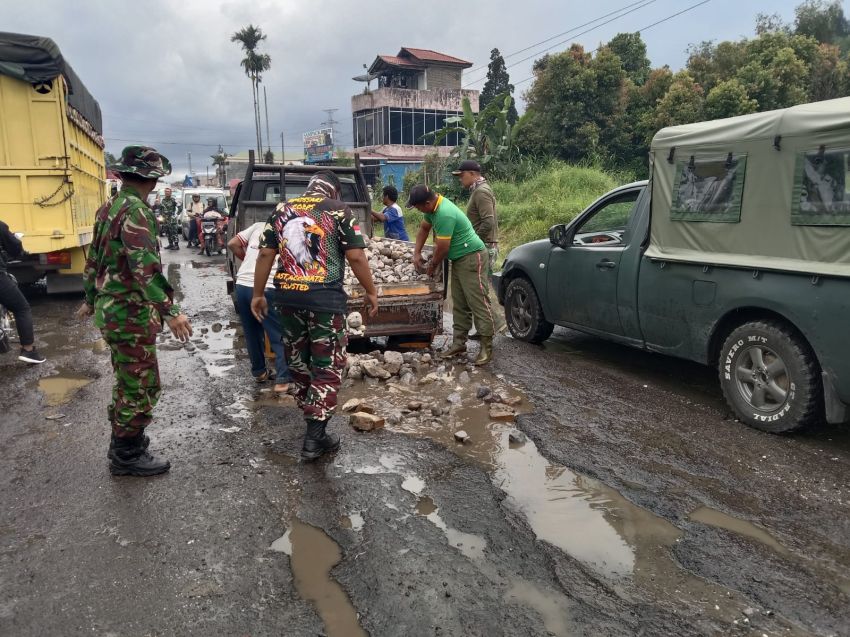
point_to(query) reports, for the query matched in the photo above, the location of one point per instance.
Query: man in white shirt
(245, 245)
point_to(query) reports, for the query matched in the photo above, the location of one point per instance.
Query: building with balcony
(392, 124)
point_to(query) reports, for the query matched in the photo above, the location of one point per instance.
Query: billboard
(318, 145)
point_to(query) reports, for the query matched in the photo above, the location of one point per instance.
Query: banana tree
(486, 136)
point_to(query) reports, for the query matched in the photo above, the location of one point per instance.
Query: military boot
(458, 346)
(317, 441)
(485, 355)
(130, 458)
(145, 442)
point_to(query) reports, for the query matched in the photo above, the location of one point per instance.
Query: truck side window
(821, 196)
(709, 188)
(608, 223)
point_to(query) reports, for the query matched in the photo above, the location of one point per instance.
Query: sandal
(282, 389)
(262, 377)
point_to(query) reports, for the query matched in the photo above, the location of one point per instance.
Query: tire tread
(811, 414)
(544, 328)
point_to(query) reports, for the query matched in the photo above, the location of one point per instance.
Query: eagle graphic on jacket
(302, 237)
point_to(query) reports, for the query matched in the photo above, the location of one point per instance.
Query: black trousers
(13, 299)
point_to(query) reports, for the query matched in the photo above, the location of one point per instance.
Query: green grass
(556, 194)
(527, 209)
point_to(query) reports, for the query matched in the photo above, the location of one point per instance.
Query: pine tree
(498, 83)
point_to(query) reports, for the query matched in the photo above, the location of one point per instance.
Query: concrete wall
(404, 151)
(438, 99)
(443, 77)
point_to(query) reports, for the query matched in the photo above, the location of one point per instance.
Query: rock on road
(625, 500)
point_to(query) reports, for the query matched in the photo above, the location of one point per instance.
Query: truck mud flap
(63, 283)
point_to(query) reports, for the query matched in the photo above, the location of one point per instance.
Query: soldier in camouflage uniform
(129, 297)
(314, 235)
(168, 205)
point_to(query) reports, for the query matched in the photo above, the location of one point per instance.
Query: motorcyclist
(13, 300)
(194, 211)
(168, 209)
(212, 213)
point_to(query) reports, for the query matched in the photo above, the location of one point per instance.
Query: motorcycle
(5, 329)
(213, 226)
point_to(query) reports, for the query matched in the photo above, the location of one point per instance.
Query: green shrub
(537, 196)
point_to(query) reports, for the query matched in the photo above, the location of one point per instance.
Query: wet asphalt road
(637, 506)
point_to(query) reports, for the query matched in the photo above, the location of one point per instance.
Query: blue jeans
(255, 336)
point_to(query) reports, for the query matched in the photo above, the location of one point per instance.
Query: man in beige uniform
(481, 211)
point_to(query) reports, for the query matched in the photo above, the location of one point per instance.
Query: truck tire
(523, 313)
(770, 377)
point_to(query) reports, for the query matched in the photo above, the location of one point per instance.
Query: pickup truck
(409, 313)
(735, 254)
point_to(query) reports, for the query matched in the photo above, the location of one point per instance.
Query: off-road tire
(799, 377)
(523, 313)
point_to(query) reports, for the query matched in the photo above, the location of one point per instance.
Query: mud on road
(625, 500)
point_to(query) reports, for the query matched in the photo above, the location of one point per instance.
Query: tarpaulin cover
(792, 190)
(33, 59)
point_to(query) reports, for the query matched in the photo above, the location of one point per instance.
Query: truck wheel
(770, 377)
(523, 313)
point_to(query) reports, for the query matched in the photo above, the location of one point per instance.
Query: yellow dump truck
(52, 169)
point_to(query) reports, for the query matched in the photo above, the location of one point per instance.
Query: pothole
(59, 389)
(713, 517)
(312, 555)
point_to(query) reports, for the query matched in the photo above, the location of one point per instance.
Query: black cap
(419, 194)
(467, 164)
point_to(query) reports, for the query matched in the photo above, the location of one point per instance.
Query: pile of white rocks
(383, 366)
(390, 261)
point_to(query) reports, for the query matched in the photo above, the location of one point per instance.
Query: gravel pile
(390, 261)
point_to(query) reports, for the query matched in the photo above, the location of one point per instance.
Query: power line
(525, 59)
(642, 29)
(558, 35)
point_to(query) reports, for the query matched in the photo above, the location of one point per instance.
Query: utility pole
(330, 122)
(282, 149)
(191, 175)
(268, 137)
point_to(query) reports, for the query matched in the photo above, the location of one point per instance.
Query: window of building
(395, 127)
(400, 126)
(709, 188)
(821, 195)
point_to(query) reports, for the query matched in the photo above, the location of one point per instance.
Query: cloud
(166, 73)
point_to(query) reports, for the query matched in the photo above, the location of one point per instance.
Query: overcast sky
(166, 74)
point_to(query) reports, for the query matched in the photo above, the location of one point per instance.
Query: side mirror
(559, 236)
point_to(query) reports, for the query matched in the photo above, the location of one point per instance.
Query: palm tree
(219, 160)
(254, 64)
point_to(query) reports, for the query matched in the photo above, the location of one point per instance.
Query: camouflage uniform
(311, 234)
(315, 345)
(124, 283)
(168, 205)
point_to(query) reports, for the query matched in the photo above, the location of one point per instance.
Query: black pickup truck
(409, 312)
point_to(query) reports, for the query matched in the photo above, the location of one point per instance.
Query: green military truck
(736, 253)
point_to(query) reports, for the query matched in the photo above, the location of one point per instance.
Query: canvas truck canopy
(768, 190)
(35, 59)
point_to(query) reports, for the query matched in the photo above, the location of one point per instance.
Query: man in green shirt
(456, 240)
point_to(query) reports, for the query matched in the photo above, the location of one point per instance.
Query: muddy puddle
(713, 517)
(471, 545)
(589, 521)
(60, 389)
(312, 555)
(215, 344)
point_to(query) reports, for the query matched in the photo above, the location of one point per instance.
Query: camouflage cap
(143, 161)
